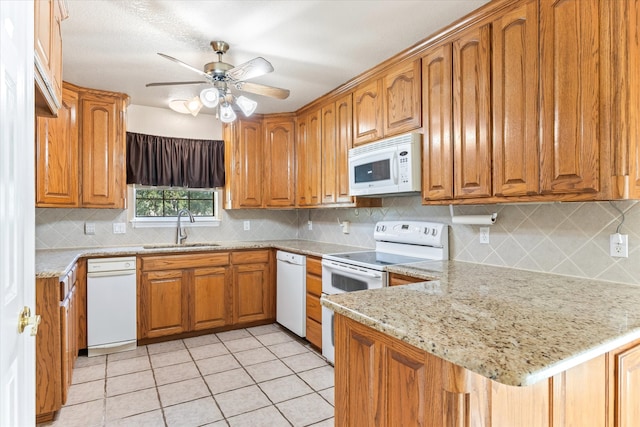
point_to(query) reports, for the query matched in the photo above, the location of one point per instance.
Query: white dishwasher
(111, 305)
(291, 309)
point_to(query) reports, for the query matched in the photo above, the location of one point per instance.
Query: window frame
(170, 221)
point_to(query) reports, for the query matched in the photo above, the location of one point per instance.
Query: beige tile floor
(260, 376)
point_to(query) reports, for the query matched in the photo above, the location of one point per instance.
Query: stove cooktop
(373, 259)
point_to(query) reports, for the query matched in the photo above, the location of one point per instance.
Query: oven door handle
(353, 271)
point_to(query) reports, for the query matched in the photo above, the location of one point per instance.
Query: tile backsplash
(563, 238)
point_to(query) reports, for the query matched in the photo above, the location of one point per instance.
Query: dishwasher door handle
(111, 273)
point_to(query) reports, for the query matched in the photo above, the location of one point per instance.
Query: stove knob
(384, 228)
(434, 232)
(426, 230)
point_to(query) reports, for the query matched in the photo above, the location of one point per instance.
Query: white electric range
(397, 242)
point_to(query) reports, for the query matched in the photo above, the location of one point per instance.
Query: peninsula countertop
(513, 326)
(57, 262)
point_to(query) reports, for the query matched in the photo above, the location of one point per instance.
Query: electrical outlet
(119, 228)
(310, 224)
(484, 235)
(89, 228)
(247, 225)
(619, 245)
(346, 225)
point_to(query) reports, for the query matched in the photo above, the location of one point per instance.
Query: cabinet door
(279, 163)
(570, 83)
(65, 340)
(437, 107)
(103, 149)
(210, 298)
(249, 161)
(309, 159)
(628, 387)
(163, 307)
(252, 298)
(344, 142)
(515, 102)
(402, 106)
(367, 112)
(57, 171)
(329, 153)
(472, 113)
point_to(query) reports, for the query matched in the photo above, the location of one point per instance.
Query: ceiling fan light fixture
(210, 97)
(194, 105)
(227, 115)
(179, 106)
(248, 106)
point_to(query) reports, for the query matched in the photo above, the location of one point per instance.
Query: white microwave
(389, 166)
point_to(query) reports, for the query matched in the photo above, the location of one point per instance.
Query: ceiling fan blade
(254, 68)
(184, 64)
(274, 92)
(175, 83)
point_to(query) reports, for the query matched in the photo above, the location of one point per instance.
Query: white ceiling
(314, 45)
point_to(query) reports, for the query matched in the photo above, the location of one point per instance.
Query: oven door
(338, 278)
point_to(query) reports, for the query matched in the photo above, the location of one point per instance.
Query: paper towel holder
(488, 219)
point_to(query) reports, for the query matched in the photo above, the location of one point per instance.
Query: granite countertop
(57, 262)
(513, 326)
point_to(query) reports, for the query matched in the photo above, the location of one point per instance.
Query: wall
(563, 238)
(165, 122)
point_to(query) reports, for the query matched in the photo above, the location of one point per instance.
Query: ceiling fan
(224, 77)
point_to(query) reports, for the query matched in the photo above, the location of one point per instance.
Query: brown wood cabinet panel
(314, 266)
(437, 107)
(570, 96)
(183, 261)
(309, 159)
(314, 332)
(314, 284)
(402, 103)
(210, 298)
(472, 113)
(329, 153)
(367, 112)
(103, 151)
(81, 297)
(344, 142)
(163, 309)
(627, 390)
(57, 163)
(314, 309)
(279, 163)
(48, 17)
(249, 172)
(302, 149)
(515, 102)
(250, 257)
(396, 279)
(253, 297)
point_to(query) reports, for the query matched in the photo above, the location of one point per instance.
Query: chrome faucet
(181, 234)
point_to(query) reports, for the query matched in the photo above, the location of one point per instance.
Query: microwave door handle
(358, 272)
(394, 167)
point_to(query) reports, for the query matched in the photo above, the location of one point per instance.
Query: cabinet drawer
(401, 279)
(314, 266)
(249, 257)
(314, 285)
(171, 262)
(314, 332)
(314, 309)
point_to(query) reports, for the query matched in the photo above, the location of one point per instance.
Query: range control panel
(412, 232)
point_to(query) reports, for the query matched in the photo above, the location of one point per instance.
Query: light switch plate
(119, 228)
(247, 225)
(89, 228)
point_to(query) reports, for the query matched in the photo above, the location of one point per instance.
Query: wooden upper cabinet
(279, 162)
(472, 113)
(249, 161)
(57, 168)
(344, 142)
(329, 153)
(367, 112)
(570, 96)
(309, 159)
(402, 103)
(48, 17)
(437, 108)
(515, 102)
(103, 151)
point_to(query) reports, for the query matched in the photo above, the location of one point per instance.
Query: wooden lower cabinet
(313, 307)
(382, 381)
(57, 342)
(185, 293)
(253, 290)
(396, 279)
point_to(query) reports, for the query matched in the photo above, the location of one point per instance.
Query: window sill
(173, 223)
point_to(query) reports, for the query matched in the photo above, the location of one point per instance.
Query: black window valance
(174, 162)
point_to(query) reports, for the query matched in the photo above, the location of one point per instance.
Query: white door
(17, 212)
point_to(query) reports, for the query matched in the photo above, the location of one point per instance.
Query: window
(159, 206)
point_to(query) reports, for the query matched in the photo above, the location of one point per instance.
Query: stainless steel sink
(183, 245)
